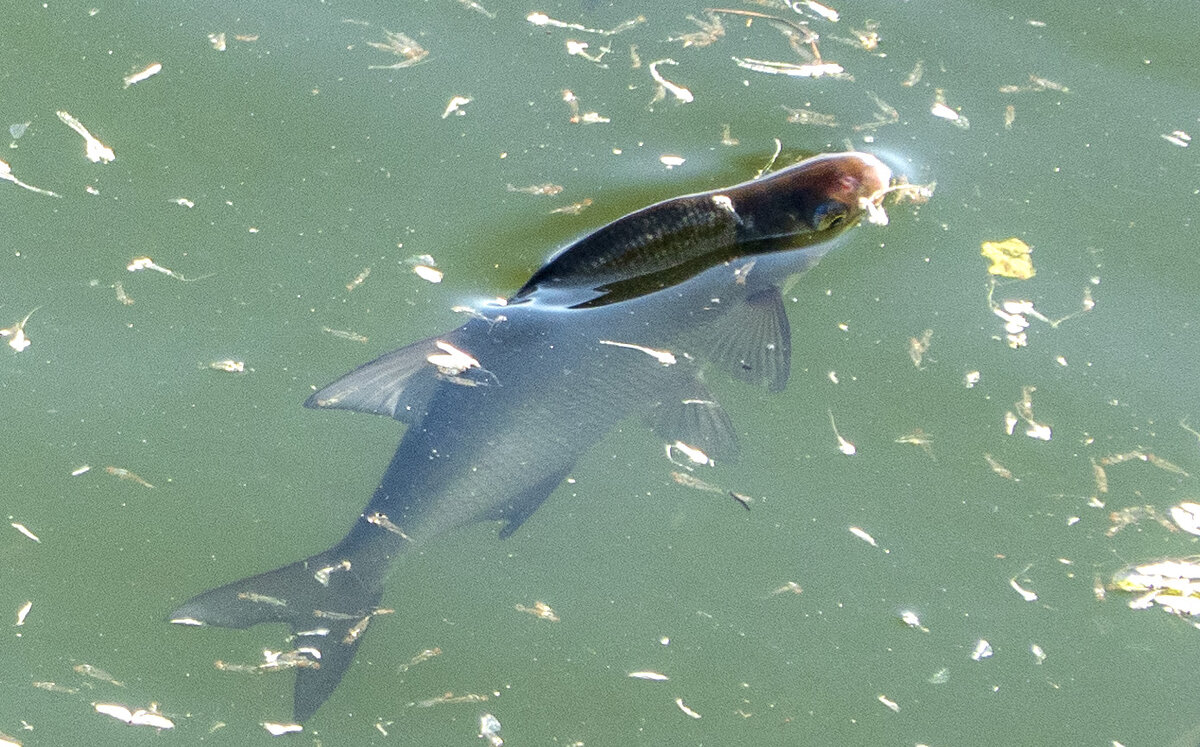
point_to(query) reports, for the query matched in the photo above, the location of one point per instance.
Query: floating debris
(25, 531)
(400, 45)
(1026, 594)
(862, 535)
(891, 704)
(547, 189)
(125, 474)
(919, 346)
(647, 675)
(1178, 137)
(541, 19)
(711, 29)
(664, 357)
(145, 263)
(805, 70)
(1039, 654)
(1035, 84)
(140, 717)
(228, 366)
(147, 72)
(7, 175)
(455, 106)
(489, 730)
(909, 618)
(423, 656)
(539, 610)
(1024, 408)
(573, 209)
(217, 41)
(824, 11)
(791, 586)
(999, 468)
(942, 110)
(23, 613)
(1009, 258)
(581, 118)
(809, 117)
(54, 687)
(694, 455)
(19, 342)
(344, 334)
(844, 446)
(914, 77)
(679, 702)
(680, 93)
(450, 699)
(278, 730)
(96, 673)
(305, 657)
(1172, 583)
(359, 279)
(918, 438)
(96, 151)
(1187, 516)
(982, 650)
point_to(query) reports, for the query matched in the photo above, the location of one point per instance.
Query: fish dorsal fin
(694, 417)
(753, 340)
(398, 384)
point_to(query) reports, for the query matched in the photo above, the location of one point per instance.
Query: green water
(305, 167)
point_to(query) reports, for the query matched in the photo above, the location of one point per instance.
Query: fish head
(816, 198)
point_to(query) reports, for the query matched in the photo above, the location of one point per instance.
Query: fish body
(499, 410)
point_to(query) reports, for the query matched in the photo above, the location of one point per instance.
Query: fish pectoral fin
(398, 384)
(515, 512)
(753, 340)
(697, 419)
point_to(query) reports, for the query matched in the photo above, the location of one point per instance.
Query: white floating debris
(862, 535)
(942, 110)
(489, 729)
(25, 531)
(217, 40)
(829, 14)
(844, 446)
(148, 71)
(651, 676)
(7, 175)
(1038, 652)
(694, 455)
(1187, 516)
(451, 361)
(893, 705)
(140, 717)
(424, 267)
(23, 613)
(909, 618)
(672, 161)
(184, 202)
(679, 92)
(983, 650)
(1026, 594)
(456, 106)
(806, 70)
(1178, 137)
(96, 151)
(665, 357)
(19, 341)
(971, 379)
(278, 730)
(685, 709)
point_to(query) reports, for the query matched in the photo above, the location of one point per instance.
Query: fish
(622, 322)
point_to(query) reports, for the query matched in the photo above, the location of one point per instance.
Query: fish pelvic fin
(325, 602)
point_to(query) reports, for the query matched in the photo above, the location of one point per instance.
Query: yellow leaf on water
(1010, 258)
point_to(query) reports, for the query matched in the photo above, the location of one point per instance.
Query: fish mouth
(877, 183)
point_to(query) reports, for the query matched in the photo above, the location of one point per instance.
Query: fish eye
(829, 215)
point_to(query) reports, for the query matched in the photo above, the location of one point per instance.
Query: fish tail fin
(325, 600)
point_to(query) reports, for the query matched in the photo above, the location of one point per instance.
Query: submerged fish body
(499, 410)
